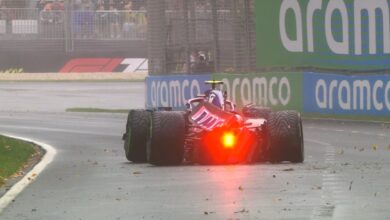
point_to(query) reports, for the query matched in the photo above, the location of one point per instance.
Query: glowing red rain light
(228, 140)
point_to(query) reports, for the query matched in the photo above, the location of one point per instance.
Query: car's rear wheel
(285, 137)
(136, 136)
(167, 138)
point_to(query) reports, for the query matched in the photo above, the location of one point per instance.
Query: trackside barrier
(367, 95)
(320, 94)
(173, 91)
(276, 90)
(347, 35)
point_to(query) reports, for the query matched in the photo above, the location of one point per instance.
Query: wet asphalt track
(346, 174)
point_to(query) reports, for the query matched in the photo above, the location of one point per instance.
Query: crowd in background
(88, 18)
(12, 4)
(93, 5)
(98, 18)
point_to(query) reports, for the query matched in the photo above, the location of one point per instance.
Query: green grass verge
(347, 117)
(13, 155)
(97, 110)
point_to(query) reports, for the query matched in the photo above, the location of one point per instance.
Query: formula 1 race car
(211, 131)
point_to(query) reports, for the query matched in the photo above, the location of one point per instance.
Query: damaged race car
(211, 131)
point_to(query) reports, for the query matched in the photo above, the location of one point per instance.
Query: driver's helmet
(214, 95)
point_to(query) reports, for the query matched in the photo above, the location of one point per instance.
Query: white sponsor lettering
(284, 96)
(312, 7)
(387, 95)
(172, 93)
(272, 82)
(356, 95)
(195, 88)
(373, 8)
(333, 86)
(164, 94)
(377, 104)
(185, 85)
(291, 45)
(246, 94)
(321, 89)
(362, 89)
(259, 91)
(260, 87)
(343, 46)
(344, 88)
(236, 82)
(370, 7)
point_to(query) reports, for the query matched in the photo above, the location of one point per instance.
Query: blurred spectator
(83, 19)
(14, 3)
(103, 25)
(87, 5)
(106, 4)
(89, 18)
(202, 5)
(3, 11)
(128, 6)
(119, 4)
(99, 5)
(203, 64)
(57, 6)
(4, 17)
(53, 12)
(114, 22)
(199, 62)
(77, 4)
(41, 4)
(194, 58)
(138, 4)
(128, 22)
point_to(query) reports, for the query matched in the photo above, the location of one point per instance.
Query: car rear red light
(226, 146)
(228, 140)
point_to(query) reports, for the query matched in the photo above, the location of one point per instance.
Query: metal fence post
(215, 35)
(187, 36)
(236, 37)
(68, 32)
(157, 36)
(250, 38)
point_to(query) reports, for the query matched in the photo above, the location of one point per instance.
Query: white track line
(11, 194)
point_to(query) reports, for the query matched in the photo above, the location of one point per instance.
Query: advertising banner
(330, 94)
(78, 65)
(91, 65)
(342, 34)
(281, 91)
(75, 62)
(174, 91)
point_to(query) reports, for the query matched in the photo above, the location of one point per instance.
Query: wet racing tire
(167, 138)
(136, 136)
(285, 137)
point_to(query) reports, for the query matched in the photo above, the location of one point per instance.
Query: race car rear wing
(208, 116)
